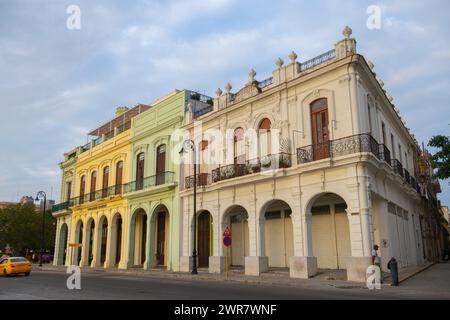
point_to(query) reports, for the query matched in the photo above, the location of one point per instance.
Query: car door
(3, 263)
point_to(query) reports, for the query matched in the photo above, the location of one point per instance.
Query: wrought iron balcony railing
(153, 181)
(97, 195)
(62, 206)
(385, 154)
(407, 176)
(318, 60)
(203, 179)
(265, 163)
(397, 167)
(340, 147)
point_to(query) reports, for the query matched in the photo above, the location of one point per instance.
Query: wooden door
(118, 240)
(105, 182)
(119, 171)
(93, 185)
(204, 234)
(103, 242)
(161, 238)
(82, 189)
(319, 125)
(160, 164)
(140, 171)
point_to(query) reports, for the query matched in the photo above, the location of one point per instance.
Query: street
(433, 283)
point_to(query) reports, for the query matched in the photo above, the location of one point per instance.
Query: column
(56, 260)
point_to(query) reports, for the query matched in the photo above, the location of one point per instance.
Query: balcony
(340, 147)
(203, 179)
(398, 168)
(149, 182)
(265, 163)
(385, 154)
(98, 195)
(62, 206)
(407, 176)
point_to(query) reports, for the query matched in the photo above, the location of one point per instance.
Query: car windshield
(18, 260)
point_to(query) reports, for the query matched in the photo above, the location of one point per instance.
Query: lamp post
(42, 196)
(189, 145)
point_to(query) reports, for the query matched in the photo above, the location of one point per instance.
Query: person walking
(376, 260)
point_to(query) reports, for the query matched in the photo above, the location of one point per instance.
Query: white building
(320, 167)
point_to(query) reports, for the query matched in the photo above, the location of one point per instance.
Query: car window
(18, 260)
(3, 261)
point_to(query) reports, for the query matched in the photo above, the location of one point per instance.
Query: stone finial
(397, 110)
(371, 65)
(279, 63)
(219, 92)
(293, 57)
(390, 98)
(404, 122)
(228, 88)
(381, 82)
(251, 75)
(347, 32)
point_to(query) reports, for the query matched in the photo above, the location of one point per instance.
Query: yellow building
(99, 210)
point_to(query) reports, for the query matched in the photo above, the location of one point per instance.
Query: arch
(276, 230)
(78, 251)
(102, 240)
(137, 244)
(236, 219)
(116, 239)
(204, 237)
(62, 250)
(330, 230)
(160, 236)
(90, 227)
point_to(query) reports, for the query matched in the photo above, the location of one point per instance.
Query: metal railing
(407, 176)
(148, 182)
(203, 179)
(265, 83)
(104, 193)
(265, 163)
(397, 167)
(62, 206)
(385, 154)
(340, 147)
(318, 60)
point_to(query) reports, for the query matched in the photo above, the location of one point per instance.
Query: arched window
(119, 174)
(238, 147)
(140, 162)
(319, 128)
(264, 134)
(160, 164)
(93, 185)
(105, 182)
(82, 188)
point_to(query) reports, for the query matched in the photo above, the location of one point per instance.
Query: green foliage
(441, 159)
(21, 228)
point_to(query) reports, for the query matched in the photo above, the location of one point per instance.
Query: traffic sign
(227, 232)
(227, 241)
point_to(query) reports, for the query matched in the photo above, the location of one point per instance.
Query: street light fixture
(188, 146)
(42, 196)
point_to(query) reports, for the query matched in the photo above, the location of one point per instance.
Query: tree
(21, 228)
(441, 159)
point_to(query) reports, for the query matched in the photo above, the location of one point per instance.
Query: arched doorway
(116, 239)
(161, 227)
(278, 231)
(204, 238)
(79, 240)
(319, 129)
(330, 232)
(91, 233)
(103, 234)
(236, 219)
(62, 250)
(138, 243)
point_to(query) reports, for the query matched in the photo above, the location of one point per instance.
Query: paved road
(431, 284)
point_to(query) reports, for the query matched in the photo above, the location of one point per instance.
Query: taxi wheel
(27, 274)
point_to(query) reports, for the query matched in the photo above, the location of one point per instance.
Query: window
(119, 171)
(400, 153)
(105, 182)
(393, 145)
(265, 142)
(68, 190)
(406, 161)
(160, 164)
(238, 146)
(203, 145)
(82, 187)
(383, 132)
(93, 185)
(369, 112)
(319, 129)
(140, 161)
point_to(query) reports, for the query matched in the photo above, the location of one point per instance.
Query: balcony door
(140, 171)
(105, 182)
(319, 125)
(93, 185)
(119, 171)
(160, 164)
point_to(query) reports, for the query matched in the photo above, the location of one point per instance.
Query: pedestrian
(376, 260)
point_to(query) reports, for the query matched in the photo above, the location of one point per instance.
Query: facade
(153, 194)
(308, 169)
(317, 168)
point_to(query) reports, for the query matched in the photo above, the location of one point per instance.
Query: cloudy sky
(57, 84)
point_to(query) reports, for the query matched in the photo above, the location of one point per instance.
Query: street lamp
(189, 145)
(42, 196)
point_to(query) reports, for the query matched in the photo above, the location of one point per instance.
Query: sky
(57, 84)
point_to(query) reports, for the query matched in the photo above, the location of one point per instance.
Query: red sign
(227, 233)
(227, 241)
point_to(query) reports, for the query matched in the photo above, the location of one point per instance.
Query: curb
(417, 272)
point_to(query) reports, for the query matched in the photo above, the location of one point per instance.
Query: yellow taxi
(15, 265)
